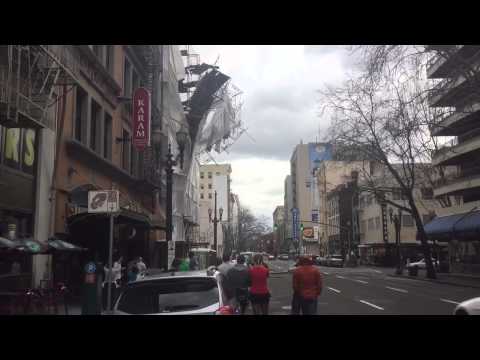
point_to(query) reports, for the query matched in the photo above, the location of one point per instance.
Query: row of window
(202, 196)
(373, 224)
(367, 200)
(202, 175)
(94, 128)
(202, 186)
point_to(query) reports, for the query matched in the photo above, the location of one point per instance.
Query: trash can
(413, 271)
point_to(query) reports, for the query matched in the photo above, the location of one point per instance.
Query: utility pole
(215, 221)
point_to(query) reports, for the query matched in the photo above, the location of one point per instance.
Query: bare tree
(251, 229)
(384, 113)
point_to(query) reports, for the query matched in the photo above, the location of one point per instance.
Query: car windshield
(339, 257)
(169, 295)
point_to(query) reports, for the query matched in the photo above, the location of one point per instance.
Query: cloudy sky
(280, 109)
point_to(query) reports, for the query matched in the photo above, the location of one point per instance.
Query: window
(127, 79)
(209, 175)
(371, 225)
(210, 195)
(201, 175)
(362, 226)
(126, 151)
(201, 186)
(377, 223)
(209, 186)
(407, 220)
(201, 196)
(107, 137)
(95, 125)
(109, 58)
(81, 102)
(427, 193)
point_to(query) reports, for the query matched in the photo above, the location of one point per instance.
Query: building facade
(287, 207)
(306, 158)
(214, 178)
(278, 228)
(458, 90)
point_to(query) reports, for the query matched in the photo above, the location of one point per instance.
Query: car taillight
(224, 310)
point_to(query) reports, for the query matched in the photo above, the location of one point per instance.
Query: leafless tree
(383, 112)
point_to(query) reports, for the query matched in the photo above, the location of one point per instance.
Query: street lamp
(169, 163)
(215, 221)
(397, 221)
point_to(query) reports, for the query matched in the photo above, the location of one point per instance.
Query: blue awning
(459, 226)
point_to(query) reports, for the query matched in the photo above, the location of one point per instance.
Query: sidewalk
(456, 279)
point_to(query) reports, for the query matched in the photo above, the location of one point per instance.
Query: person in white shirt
(142, 268)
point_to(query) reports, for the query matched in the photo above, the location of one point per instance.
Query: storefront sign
(18, 149)
(308, 232)
(141, 118)
(103, 201)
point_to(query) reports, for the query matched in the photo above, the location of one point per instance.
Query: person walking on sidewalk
(238, 278)
(307, 286)
(259, 293)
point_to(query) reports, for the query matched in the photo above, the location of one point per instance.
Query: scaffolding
(29, 77)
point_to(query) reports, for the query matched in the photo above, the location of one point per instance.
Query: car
(283, 257)
(334, 260)
(271, 257)
(174, 293)
(468, 307)
(422, 264)
(320, 260)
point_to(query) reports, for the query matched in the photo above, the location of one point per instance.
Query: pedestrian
(133, 274)
(193, 264)
(307, 286)
(238, 278)
(259, 293)
(223, 269)
(142, 268)
(176, 264)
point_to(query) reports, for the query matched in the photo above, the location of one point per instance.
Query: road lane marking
(372, 305)
(330, 288)
(286, 307)
(339, 276)
(396, 289)
(450, 301)
(361, 281)
(378, 271)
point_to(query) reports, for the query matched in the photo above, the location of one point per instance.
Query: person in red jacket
(259, 293)
(307, 285)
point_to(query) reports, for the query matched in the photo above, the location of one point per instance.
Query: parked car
(422, 264)
(335, 260)
(283, 257)
(179, 293)
(321, 261)
(468, 307)
(271, 257)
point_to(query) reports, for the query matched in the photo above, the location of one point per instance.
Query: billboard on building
(317, 153)
(141, 118)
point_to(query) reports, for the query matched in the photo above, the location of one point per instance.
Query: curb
(435, 281)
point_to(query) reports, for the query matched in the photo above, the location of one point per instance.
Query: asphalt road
(369, 291)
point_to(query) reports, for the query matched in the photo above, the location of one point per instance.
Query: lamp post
(397, 221)
(169, 163)
(215, 221)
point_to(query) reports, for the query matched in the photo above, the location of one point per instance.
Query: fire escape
(29, 76)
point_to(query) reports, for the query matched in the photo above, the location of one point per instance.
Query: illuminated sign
(141, 118)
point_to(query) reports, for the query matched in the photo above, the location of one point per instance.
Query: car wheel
(461, 312)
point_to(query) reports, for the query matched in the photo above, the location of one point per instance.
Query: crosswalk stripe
(340, 277)
(361, 281)
(330, 288)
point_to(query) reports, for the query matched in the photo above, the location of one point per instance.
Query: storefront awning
(459, 226)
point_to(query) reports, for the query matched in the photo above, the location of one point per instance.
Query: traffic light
(301, 228)
(275, 227)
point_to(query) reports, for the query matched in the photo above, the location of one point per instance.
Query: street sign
(295, 224)
(103, 201)
(141, 118)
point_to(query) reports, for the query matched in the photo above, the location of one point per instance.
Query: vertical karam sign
(141, 118)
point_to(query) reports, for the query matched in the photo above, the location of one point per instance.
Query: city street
(369, 291)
